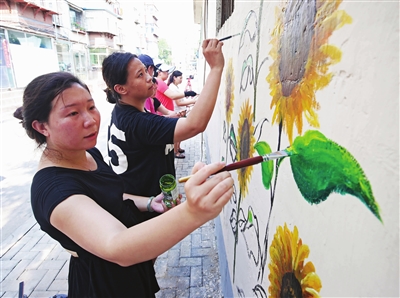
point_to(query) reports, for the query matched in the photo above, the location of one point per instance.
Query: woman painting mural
(80, 202)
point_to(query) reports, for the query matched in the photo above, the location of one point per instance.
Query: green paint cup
(169, 189)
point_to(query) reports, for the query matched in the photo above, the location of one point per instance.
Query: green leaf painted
(267, 167)
(247, 64)
(321, 166)
(250, 216)
(232, 136)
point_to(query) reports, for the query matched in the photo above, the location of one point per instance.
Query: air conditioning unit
(57, 20)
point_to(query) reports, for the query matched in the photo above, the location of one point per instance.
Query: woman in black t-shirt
(140, 144)
(80, 202)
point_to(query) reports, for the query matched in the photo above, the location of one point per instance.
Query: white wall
(28, 63)
(354, 254)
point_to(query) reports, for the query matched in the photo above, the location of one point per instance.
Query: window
(6, 72)
(97, 56)
(76, 18)
(57, 20)
(16, 37)
(224, 10)
(30, 40)
(80, 62)
(64, 58)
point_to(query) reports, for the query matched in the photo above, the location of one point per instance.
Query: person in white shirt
(180, 105)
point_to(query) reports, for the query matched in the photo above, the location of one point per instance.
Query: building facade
(27, 39)
(75, 36)
(140, 27)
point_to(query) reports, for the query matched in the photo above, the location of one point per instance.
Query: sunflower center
(291, 287)
(295, 43)
(245, 140)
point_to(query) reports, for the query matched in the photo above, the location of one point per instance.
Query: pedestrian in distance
(140, 144)
(180, 105)
(80, 202)
(152, 104)
(164, 94)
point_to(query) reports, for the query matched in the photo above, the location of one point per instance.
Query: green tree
(164, 51)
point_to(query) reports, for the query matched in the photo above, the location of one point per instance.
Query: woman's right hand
(212, 51)
(182, 113)
(206, 196)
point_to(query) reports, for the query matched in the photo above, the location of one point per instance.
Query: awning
(36, 8)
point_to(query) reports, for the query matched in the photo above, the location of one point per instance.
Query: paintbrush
(246, 162)
(228, 37)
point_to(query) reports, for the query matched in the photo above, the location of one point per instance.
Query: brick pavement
(189, 269)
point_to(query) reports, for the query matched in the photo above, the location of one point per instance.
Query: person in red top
(164, 94)
(152, 104)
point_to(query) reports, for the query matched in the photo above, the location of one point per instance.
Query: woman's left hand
(158, 205)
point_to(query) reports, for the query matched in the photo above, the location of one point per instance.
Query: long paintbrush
(246, 162)
(230, 36)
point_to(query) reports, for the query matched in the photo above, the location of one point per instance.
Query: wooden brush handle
(241, 164)
(233, 166)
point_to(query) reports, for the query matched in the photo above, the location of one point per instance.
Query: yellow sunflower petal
(275, 278)
(276, 258)
(290, 110)
(308, 268)
(279, 245)
(274, 270)
(310, 293)
(336, 20)
(288, 250)
(302, 254)
(312, 280)
(285, 252)
(327, 8)
(293, 245)
(287, 255)
(334, 54)
(246, 141)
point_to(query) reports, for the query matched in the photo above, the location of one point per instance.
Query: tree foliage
(164, 51)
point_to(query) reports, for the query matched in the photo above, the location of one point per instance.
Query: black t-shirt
(89, 275)
(141, 149)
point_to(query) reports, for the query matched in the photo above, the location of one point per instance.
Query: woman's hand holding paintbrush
(206, 193)
(246, 162)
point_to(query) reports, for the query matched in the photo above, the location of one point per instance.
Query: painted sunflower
(245, 143)
(301, 60)
(289, 277)
(229, 90)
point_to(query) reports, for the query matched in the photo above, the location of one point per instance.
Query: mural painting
(289, 276)
(301, 58)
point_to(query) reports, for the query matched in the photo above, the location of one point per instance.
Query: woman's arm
(98, 232)
(174, 94)
(156, 202)
(167, 113)
(185, 101)
(199, 116)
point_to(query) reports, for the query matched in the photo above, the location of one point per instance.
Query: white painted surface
(354, 254)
